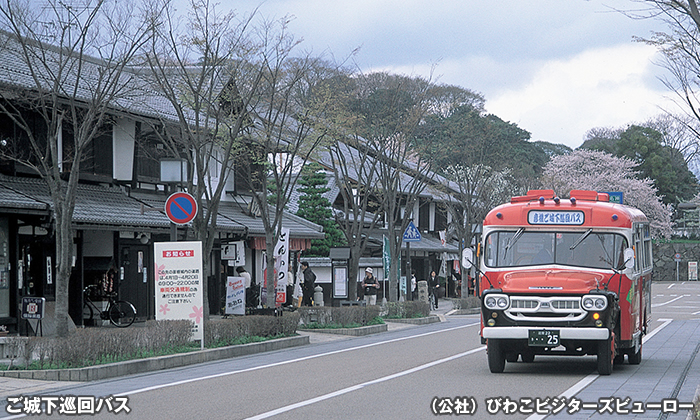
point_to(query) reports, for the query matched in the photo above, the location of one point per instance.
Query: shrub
(342, 317)
(223, 332)
(408, 309)
(93, 346)
(466, 303)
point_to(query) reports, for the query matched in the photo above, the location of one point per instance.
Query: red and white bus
(564, 277)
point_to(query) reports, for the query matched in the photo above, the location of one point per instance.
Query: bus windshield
(580, 249)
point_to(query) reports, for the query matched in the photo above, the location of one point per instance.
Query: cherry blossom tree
(600, 171)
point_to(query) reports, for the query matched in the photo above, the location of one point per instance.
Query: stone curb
(467, 311)
(416, 321)
(111, 370)
(359, 331)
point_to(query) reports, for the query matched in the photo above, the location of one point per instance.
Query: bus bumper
(565, 333)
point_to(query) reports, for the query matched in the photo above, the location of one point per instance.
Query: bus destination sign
(543, 217)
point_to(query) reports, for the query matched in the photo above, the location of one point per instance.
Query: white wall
(123, 140)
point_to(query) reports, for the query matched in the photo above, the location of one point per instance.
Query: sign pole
(408, 271)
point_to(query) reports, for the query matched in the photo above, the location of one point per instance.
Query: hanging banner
(235, 296)
(386, 256)
(178, 294)
(281, 267)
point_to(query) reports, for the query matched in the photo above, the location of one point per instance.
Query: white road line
(286, 362)
(666, 303)
(362, 385)
(580, 385)
(300, 359)
(671, 285)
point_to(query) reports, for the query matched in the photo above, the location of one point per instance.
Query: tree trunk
(64, 247)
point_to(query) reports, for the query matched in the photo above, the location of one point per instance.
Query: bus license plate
(546, 338)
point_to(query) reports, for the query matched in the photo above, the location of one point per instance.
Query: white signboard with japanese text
(235, 296)
(692, 270)
(178, 294)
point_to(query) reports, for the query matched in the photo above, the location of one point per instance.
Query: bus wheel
(496, 355)
(512, 357)
(635, 358)
(528, 356)
(605, 356)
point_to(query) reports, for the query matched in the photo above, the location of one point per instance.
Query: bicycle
(432, 300)
(119, 312)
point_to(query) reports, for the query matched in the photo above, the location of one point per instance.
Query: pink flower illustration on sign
(197, 314)
(164, 309)
(158, 268)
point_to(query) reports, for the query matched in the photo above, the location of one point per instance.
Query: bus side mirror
(629, 258)
(468, 258)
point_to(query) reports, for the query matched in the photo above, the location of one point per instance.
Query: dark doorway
(136, 285)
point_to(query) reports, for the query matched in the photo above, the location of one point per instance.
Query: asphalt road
(404, 373)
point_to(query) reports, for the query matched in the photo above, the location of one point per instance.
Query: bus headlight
(594, 302)
(496, 301)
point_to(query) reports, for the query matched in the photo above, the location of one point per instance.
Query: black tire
(605, 357)
(88, 315)
(433, 305)
(633, 357)
(122, 314)
(496, 356)
(528, 356)
(512, 357)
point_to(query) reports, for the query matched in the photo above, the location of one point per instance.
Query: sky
(556, 68)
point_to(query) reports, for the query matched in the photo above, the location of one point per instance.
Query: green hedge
(340, 317)
(227, 331)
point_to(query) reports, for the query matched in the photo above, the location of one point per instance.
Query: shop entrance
(135, 279)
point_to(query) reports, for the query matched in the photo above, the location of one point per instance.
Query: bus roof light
(573, 201)
(499, 215)
(541, 200)
(614, 217)
(556, 200)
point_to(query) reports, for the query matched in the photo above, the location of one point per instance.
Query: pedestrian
(414, 284)
(309, 284)
(370, 286)
(434, 285)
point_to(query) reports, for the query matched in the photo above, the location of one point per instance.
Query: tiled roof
(428, 243)
(14, 200)
(109, 207)
(135, 97)
(94, 204)
(233, 217)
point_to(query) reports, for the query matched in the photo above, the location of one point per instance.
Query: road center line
(300, 359)
(362, 385)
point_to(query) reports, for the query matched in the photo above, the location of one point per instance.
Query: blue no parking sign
(181, 208)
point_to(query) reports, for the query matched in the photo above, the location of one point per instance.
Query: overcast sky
(556, 68)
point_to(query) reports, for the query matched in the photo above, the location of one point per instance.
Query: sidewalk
(14, 386)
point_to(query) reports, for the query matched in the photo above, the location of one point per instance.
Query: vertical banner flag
(443, 265)
(178, 283)
(386, 256)
(443, 237)
(235, 296)
(281, 267)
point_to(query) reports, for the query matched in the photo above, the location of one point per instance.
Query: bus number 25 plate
(547, 338)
